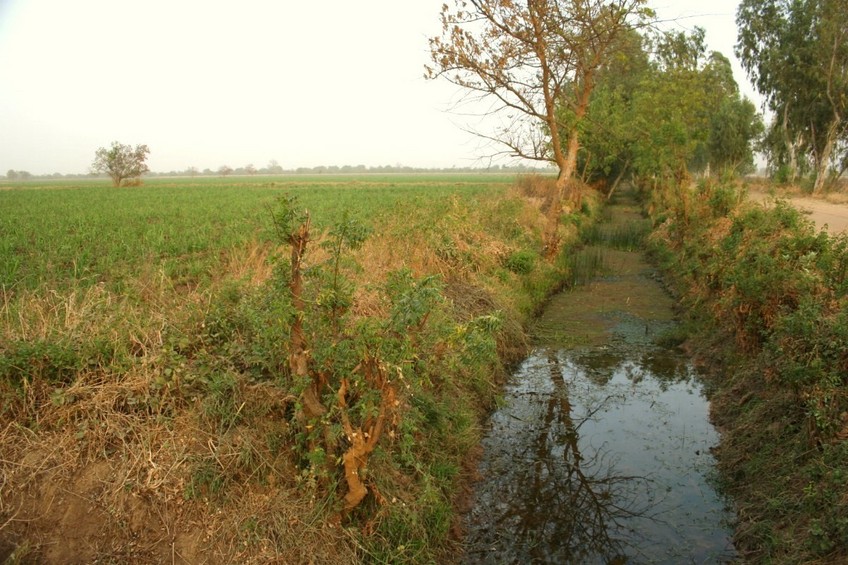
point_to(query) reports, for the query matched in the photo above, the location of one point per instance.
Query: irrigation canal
(601, 450)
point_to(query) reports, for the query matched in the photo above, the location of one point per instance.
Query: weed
(221, 403)
(206, 481)
(585, 264)
(521, 262)
(52, 362)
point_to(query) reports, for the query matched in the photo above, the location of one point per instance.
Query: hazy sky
(207, 83)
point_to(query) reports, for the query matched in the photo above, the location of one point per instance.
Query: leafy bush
(50, 361)
(521, 262)
(55, 361)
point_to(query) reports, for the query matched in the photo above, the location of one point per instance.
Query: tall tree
(121, 162)
(672, 106)
(274, 167)
(663, 116)
(534, 59)
(796, 52)
(608, 136)
(733, 128)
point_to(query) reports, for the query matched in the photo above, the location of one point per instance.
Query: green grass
(71, 233)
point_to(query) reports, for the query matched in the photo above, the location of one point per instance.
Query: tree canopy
(589, 86)
(121, 162)
(663, 109)
(796, 53)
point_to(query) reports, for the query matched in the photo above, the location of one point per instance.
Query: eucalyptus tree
(734, 127)
(672, 108)
(796, 52)
(536, 60)
(660, 113)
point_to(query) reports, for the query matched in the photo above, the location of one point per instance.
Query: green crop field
(78, 233)
(167, 320)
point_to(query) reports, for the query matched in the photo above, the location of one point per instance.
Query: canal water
(600, 452)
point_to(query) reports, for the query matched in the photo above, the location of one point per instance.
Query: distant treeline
(274, 169)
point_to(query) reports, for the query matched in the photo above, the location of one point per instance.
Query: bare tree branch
(535, 58)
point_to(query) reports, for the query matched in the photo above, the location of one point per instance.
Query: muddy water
(601, 451)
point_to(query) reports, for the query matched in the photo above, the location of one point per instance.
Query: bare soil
(829, 212)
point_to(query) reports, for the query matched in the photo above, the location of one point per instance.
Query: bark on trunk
(791, 148)
(566, 162)
(823, 160)
(551, 237)
(298, 349)
(363, 438)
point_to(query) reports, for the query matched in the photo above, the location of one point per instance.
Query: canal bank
(766, 296)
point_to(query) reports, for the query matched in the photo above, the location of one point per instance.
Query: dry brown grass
(536, 187)
(839, 197)
(109, 478)
(250, 263)
(453, 246)
(104, 461)
(103, 464)
(31, 315)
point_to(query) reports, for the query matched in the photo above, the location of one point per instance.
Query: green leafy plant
(521, 262)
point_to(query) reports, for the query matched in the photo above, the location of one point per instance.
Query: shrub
(521, 262)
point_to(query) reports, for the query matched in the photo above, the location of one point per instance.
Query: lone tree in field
(121, 162)
(537, 61)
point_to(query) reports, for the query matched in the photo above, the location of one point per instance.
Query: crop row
(63, 236)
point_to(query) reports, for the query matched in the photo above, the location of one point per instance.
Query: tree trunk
(298, 350)
(551, 239)
(363, 438)
(618, 179)
(791, 147)
(567, 165)
(823, 160)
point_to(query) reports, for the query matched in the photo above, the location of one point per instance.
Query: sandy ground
(824, 213)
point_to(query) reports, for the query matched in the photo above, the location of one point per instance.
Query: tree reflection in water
(600, 455)
(542, 499)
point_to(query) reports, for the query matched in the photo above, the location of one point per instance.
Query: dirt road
(821, 212)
